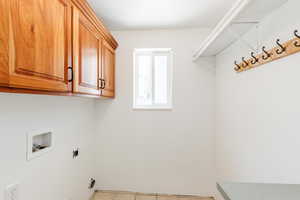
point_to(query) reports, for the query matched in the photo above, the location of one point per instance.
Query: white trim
(154, 52)
(154, 107)
(238, 7)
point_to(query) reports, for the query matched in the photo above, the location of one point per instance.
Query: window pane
(144, 94)
(161, 79)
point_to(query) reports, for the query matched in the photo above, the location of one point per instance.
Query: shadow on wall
(206, 63)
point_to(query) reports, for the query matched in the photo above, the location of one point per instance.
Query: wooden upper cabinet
(40, 44)
(55, 47)
(108, 71)
(87, 55)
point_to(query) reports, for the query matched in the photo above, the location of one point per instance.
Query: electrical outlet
(11, 192)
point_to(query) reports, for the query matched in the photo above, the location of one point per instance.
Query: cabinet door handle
(101, 83)
(104, 84)
(72, 74)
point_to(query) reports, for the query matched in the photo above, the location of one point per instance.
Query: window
(152, 79)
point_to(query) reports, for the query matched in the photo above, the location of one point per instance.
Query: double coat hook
(296, 43)
(255, 59)
(282, 48)
(237, 68)
(268, 55)
(245, 62)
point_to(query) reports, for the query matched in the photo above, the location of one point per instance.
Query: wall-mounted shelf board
(243, 16)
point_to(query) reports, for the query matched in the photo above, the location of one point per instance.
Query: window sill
(152, 109)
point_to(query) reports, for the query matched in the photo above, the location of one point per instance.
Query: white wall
(159, 151)
(54, 176)
(258, 111)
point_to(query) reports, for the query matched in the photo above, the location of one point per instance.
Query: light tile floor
(117, 195)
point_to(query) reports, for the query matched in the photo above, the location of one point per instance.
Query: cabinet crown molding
(86, 10)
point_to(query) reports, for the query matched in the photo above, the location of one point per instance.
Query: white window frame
(154, 52)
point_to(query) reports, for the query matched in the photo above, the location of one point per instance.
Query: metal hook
(296, 43)
(245, 62)
(268, 55)
(255, 60)
(283, 49)
(237, 68)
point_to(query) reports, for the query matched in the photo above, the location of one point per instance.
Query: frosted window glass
(144, 80)
(161, 79)
(152, 79)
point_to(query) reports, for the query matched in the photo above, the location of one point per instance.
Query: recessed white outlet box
(11, 192)
(39, 143)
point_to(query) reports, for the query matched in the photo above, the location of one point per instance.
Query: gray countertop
(257, 191)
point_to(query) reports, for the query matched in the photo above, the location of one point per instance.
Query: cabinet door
(87, 55)
(40, 44)
(4, 43)
(108, 70)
